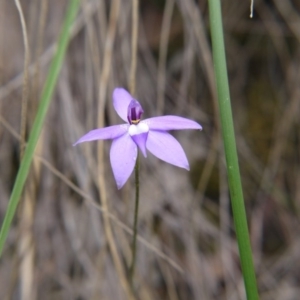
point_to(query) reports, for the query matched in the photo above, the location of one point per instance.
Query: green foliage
(233, 172)
(39, 120)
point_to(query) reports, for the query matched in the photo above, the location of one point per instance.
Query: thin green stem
(235, 184)
(39, 120)
(135, 222)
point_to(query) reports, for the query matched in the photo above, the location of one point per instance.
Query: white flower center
(138, 129)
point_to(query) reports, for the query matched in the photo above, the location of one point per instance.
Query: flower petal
(121, 101)
(167, 148)
(166, 123)
(140, 140)
(123, 154)
(139, 134)
(106, 133)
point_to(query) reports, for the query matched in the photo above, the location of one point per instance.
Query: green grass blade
(39, 120)
(235, 185)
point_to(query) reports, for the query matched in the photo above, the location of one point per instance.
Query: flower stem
(136, 210)
(234, 179)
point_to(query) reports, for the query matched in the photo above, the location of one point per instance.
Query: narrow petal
(121, 101)
(106, 133)
(166, 123)
(140, 140)
(164, 146)
(123, 154)
(139, 134)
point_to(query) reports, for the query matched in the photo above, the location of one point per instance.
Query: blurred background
(60, 244)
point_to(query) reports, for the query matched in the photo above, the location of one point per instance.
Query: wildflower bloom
(149, 134)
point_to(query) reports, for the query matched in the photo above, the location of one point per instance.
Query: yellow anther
(135, 121)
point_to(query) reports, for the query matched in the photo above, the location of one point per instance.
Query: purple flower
(150, 134)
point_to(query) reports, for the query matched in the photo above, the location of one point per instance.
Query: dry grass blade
(115, 8)
(186, 240)
(25, 78)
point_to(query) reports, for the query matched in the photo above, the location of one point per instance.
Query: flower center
(139, 134)
(138, 129)
(134, 112)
